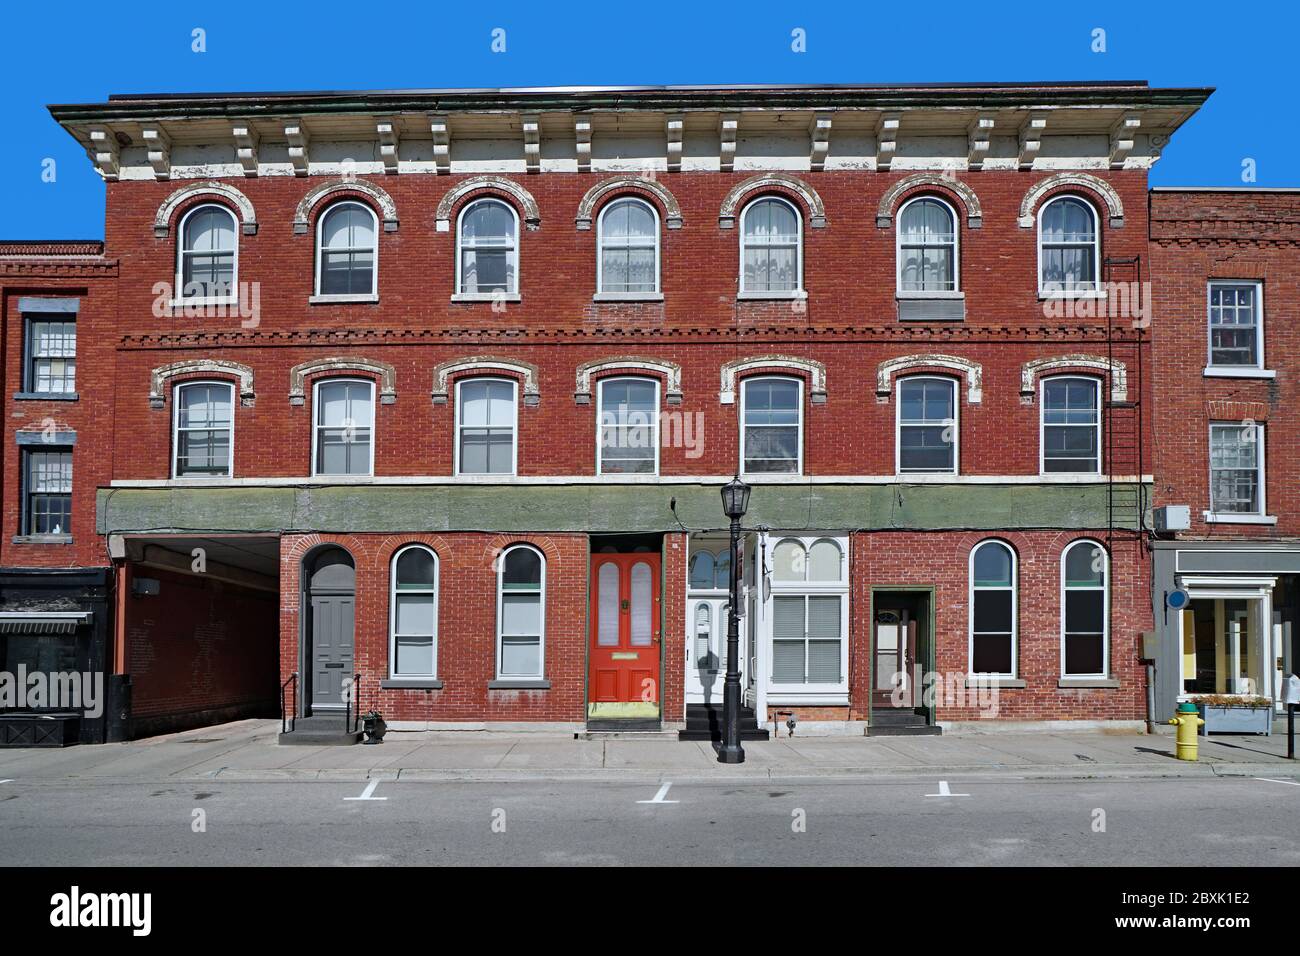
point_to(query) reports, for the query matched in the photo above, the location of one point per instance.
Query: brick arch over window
(318, 194)
(523, 199)
(948, 186)
(596, 195)
(671, 371)
(160, 376)
(162, 221)
(1116, 370)
(973, 373)
(732, 370)
(299, 373)
(486, 363)
(1092, 184)
(780, 181)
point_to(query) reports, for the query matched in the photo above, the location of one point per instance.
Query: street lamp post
(735, 502)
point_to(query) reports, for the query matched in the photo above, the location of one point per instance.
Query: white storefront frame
(1257, 589)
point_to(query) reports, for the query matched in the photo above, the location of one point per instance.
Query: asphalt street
(693, 821)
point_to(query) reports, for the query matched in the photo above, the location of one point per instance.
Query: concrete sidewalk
(247, 751)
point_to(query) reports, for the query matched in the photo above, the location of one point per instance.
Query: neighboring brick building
(1226, 342)
(485, 359)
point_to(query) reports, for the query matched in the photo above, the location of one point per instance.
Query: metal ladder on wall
(1126, 335)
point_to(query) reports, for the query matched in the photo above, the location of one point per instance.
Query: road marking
(366, 794)
(945, 792)
(659, 797)
(10, 780)
(1289, 783)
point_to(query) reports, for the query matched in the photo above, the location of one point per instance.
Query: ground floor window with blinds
(808, 613)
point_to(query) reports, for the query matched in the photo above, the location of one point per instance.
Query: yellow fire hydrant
(1188, 721)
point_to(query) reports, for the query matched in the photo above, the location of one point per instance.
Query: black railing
(291, 719)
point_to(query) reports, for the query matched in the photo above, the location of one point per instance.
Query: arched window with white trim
(487, 241)
(771, 247)
(413, 613)
(347, 250)
(1069, 246)
(628, 429)
(521, 613)
(344, 430)
(485, 426)
(927, 246)
(628, 236)
(207, 259)
(204, 422)
(771, 416)
(993, 612)
(809, 618)
(927, 425)
(1071, 425)
(1085, 610)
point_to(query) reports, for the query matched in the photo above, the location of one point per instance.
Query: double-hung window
(47, 491)
(347, 250)
(413, 616)
(1085, 612)
(771, 417)
(485, 426)
(809, 647)
(206, 270)
(521, 613)
(1236, 470)
(344, 432)
(927, 426)
(1236, 326)
(771, 248)
(1069, 247)
(1071, 425)
(927, 246)
(51, 355)
(993, 610)
(205, 427)
(629, 249)
(488, 249)
(629, 426)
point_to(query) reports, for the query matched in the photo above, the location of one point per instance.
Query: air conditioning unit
(1173, 517)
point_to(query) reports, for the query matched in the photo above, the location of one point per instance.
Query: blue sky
(81, 52)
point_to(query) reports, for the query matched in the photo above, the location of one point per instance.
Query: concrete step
(915, 730)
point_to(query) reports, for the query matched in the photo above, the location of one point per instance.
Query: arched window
(204, 437)
(771, 247)
(702, 570)
(1069, 246)
(521, 613)
(413, 614)
(1071, 425)
(628, 235)
(344, 431)
(1085, 610)
(927, 246)
(628, 429)
(488, 249)
(771, 417)
(927, 425)
(809, 586)
(993, 610)
(347, 250)
(207, 261)
(485, 426)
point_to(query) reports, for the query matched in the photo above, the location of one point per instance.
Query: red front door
(625, 636)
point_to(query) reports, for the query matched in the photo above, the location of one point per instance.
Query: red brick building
(439, 388)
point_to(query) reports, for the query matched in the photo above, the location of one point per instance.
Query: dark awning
(42, 622)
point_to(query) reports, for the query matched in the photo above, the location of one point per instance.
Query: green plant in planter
(1231, 700)
(375, 727)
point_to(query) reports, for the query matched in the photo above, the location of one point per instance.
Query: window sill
(628, 297)
(1073, 294)
(46, 397)
(785, 296)
(1213, 518)
(795, 697)
(901, 294)
(1226, 371)
(410, 683)
(203, 303)
(487, 297)
(1011, 683)
(42, 539)
(340, 299)
(519, 684)
(1093, 682)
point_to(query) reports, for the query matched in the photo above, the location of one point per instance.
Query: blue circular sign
(1177, 599)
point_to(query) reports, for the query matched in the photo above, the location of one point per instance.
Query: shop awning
(42, 622)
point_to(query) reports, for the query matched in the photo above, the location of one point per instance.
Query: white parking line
(366, 794)
(1289, 783)
(659, 797)
(945, 792)
(10, 780)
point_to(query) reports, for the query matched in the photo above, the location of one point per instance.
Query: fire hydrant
(1188, 721)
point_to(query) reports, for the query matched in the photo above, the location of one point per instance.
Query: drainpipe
(1151, 697)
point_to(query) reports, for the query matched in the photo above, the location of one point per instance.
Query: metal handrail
(292, 721)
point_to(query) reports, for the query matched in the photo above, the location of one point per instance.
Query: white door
(706, 648)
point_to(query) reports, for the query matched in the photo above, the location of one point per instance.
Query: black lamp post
(735, 502)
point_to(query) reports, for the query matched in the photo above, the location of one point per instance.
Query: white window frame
(798, 291)
(1105, 607)
(600, 250)
(600, 419)
(806, 693)
(514, 437)
(374, 253)
(461, 292)
(541, 602)
(744, 402)
(1015, 612)
(176, 429)
(1042, 423)
(316, 426)
(956, 253)
(436, 590)
(1095, 291)
(955, 423)
(1260, 516)
(178, 293)
(1258, 370)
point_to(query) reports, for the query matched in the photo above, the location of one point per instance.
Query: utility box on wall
(1173, 517)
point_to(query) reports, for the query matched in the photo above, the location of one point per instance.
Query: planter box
(38, 730)
(1236, 720)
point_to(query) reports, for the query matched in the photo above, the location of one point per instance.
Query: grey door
(332, 618)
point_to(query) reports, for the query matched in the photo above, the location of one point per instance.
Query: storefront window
(1224, 650)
